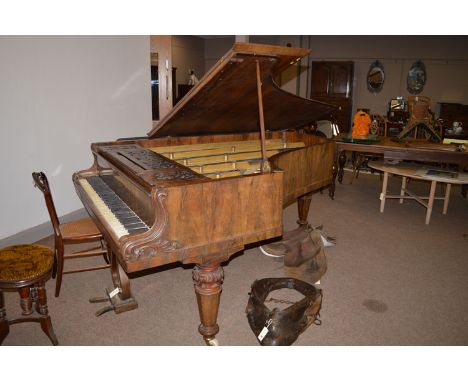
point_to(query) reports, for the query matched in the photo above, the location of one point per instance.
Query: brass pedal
(116, 303)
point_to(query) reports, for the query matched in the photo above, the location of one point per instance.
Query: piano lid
(225, 100)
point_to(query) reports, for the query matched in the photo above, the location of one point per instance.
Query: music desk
(421, 172)
(394, 151)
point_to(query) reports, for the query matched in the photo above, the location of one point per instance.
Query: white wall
(188, 52)
(215, 48)
(445, 58)
(58, 94)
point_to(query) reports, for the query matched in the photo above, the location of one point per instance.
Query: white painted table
(417, 171)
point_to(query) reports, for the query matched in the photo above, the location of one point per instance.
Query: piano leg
(303, 205)
(207, 280)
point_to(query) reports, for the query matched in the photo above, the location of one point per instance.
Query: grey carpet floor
(391, 280)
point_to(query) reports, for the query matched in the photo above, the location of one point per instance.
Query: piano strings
(225, 159)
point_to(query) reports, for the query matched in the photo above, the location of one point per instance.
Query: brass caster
(212, 342)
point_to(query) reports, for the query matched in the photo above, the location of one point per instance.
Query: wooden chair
(26, 268)
(421, 121)
(75, 232)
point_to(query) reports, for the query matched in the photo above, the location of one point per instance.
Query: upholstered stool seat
(24, 262)
(26, 268)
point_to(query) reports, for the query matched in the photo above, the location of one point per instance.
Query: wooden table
(416, 171)
(392, 150)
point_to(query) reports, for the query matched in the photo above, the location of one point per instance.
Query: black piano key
(137, 230)
(128, 218)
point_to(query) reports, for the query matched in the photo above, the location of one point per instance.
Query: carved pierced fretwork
(146, 159)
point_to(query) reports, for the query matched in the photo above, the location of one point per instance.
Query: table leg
(403, 188)
(448, 186)
(331, 189)
(431, 201)
(341, 163)
(384, 191)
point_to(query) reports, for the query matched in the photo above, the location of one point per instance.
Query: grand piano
(212, 176)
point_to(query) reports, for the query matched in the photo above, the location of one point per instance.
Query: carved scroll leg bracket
(207, 280)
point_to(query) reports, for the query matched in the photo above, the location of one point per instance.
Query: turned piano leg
(207, 280)
(303, 206)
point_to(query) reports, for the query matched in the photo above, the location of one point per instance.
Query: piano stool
(26, 268)
(414, 171)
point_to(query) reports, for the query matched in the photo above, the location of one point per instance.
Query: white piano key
(118, 229)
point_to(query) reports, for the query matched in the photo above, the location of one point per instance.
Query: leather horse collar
(282, 327)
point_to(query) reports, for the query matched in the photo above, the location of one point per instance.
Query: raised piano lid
(225, 100)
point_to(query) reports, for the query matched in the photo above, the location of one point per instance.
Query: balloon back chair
(74, 232)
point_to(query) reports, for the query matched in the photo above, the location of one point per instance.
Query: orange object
(361, 123)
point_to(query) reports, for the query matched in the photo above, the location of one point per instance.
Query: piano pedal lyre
(116, 303)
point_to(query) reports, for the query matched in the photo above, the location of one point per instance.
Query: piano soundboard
(225, 159)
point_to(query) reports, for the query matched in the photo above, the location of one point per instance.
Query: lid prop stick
(265, 164)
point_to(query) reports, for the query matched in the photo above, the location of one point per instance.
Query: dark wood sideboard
(451, 112)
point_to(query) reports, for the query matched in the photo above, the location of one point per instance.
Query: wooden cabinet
(332, 82)
(155, 83)
(454, 112)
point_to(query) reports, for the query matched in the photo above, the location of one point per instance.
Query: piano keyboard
(115, 211)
